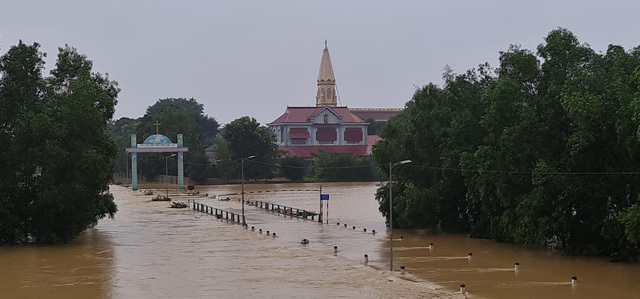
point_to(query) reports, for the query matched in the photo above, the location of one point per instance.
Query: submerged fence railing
(220, 214)
(286, 210)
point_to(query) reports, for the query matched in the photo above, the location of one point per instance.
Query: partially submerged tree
(56, 153)
(542, 150)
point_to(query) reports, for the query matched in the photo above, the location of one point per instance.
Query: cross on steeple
(157, 124)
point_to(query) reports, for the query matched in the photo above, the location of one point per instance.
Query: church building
(303, 131)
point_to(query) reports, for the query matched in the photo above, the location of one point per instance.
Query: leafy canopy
(56, 154)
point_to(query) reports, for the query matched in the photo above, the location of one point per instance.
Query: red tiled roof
(378, 114)
(310, 150)
(303, 114)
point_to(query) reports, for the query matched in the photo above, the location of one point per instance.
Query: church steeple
(326, 82)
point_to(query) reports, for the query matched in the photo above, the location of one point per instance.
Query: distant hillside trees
(56, 156)
(542, 150)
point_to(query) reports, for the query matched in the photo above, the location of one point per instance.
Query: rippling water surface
(152, 251)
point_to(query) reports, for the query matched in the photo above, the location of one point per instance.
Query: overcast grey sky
(256, 57)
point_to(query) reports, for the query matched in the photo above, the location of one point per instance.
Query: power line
(382, 166)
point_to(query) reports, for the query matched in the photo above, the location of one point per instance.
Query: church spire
(326, 81)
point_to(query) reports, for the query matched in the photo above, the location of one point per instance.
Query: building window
(325, 142)
(298, 141)
(326, 134)
(353, 135)
(326, 118)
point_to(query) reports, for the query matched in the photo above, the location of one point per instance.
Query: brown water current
(152, 251)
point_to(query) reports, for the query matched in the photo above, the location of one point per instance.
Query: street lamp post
(166, 174)
(127, 160)
(244, 223)
(391, 166)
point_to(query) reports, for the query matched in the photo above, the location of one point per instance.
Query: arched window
(323, 94)
(326, 118)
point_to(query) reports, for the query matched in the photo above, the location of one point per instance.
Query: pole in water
(469, 255)
(365, 230)
(430, 246)
(345, 225)
(373, 231)
(260, 231)
(268, 233)
(401, 237)
(574, 280)
(253, 228)
(516, 267)
(338, 223)
(366, 258)
(354, 227)
(401, 270)
(335, 249)
(274, 234)
(463, 289)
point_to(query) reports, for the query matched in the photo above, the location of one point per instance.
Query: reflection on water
(152, 251)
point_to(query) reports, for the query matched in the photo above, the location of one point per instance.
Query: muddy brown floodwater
(152, 251)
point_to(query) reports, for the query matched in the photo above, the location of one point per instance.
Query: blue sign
(324, 196)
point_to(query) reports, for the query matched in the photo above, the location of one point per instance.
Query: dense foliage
(244, 138)
(174, 116)
(56, 156)
(292, 168)
(344, 168)
(542, 150)
(373, 126)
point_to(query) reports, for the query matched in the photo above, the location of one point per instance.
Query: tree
(245, 137)
(543, 150)
(374, 126)
(292, 168)
(177, 116)
(438, 126)
(343, 167)
(55, 172)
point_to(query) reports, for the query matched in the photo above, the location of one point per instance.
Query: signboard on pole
(324, 196)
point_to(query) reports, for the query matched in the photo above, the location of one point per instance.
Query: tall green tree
(438, 126)
(57, 155)
(343, 167)
(543, 150)
(245, 137)
(292, 168)
(177, 116)
(373, 126)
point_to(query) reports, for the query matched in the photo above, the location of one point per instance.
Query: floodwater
(152, 251)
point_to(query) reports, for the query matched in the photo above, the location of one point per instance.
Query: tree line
(543, 150)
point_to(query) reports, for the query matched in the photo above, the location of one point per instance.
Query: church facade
(303, 131)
